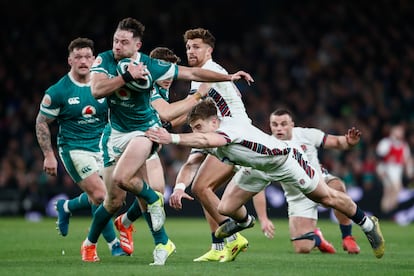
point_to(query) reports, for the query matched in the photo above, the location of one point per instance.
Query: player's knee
(223, 210)
(304, 246)
(122, 182)
(113, 204)
(97, 197)
(301, 249)
(199, 191)
(338, 185)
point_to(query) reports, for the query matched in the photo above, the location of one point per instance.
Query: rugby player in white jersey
(203, 171)
(302, 211)
(264, 159)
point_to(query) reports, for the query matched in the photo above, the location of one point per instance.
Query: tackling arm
(194, 140)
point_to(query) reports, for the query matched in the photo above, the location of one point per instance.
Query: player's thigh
(234, 197)
(155, 173)
(132, 159)
(212, 173)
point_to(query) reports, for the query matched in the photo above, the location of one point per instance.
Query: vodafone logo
(123, 94)
(88, 111)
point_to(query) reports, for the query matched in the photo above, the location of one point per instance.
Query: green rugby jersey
(80, 116)
(131, 110)
(160, 93)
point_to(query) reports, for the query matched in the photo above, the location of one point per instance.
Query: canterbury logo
(86, 169)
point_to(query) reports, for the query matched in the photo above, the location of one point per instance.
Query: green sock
(100, 219)
(79, 203)
(160, 236)
(134, 211)
(108, 232)
(148, 194)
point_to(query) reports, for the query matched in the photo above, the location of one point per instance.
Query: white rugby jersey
(309, 139)
(248, 146)
(225, 95)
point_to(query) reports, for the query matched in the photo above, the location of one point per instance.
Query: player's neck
(80, 78)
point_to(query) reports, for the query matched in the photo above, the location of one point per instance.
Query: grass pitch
(35, 248)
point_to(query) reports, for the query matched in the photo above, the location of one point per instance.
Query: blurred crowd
(335, 64)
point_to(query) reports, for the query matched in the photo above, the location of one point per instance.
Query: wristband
(197, 96)
(127, 77)
(180, 186)
(175, 138)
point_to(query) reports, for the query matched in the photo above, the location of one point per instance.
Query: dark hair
(165, 54)
(203, 110)
(282, 111)
(204, 34)
(132, 25)
(79, 43)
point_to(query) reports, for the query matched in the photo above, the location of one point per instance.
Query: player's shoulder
(103, 59)
(214, 66)
(307, 130)
(107, 55)
(307, 134)
(149, 61)
(61, 86)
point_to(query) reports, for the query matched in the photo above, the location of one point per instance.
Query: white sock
(125, 220)
(217, 246)
(368, 225)
(111, 244)
(87, 242)
(66, 207)
(231, 238)
(245, 224)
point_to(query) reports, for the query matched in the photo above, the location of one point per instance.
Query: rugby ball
(135, 85)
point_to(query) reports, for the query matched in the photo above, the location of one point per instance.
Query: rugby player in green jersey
(131, 115)
(81, 119)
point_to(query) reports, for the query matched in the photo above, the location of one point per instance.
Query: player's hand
(138, 71)
(353, 136)
(159, 135)
(175, 199)
(204, 89)
(242, 75)
(50, 165)
(268, 228)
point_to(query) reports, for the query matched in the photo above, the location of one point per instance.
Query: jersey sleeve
(313, 136)
(50, 105)
(155, 94)
(99, 65)
(383, 147)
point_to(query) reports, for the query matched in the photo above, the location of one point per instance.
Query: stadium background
(336, 64)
